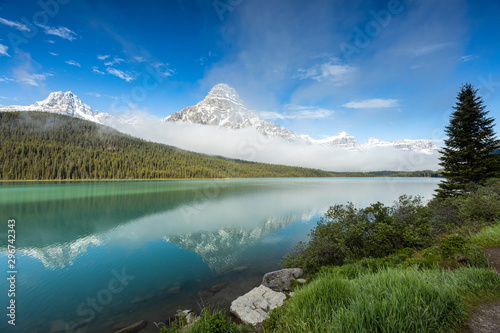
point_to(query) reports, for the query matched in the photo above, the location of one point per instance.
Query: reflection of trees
(45, 222)
(220, 249)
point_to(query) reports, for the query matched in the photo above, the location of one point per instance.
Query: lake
(93, 254)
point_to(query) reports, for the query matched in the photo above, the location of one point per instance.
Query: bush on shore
(346, 234)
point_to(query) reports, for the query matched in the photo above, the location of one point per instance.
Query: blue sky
(384, 69)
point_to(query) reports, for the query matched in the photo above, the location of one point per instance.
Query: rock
(135, 327)
(188, 314)
(174, 290)
(253, 307)
(281, 280)
(301, 280)
(218, 287)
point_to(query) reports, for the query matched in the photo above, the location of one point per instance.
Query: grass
(390, 300)
(487, 237)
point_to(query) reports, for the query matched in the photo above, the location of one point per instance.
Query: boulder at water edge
(253, 307)
(282, 279)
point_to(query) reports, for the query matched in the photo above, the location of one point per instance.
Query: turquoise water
(92, 254)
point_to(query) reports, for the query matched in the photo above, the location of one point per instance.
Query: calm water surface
(93, 254)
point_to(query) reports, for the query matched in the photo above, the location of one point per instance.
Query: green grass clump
(390, 300)
(487, 237)
(210, 321)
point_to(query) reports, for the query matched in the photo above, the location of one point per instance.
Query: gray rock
(301, 280)
(218, 287)
(253, 307)
(281, 280)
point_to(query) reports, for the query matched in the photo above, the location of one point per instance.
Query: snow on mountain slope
(223, 107)
(65, 103)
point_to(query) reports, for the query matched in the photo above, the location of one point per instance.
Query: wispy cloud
(292, 111)
(73, 63)
(93, 94)
(428, 49)
(17, 25)
(163, 69)
(5, 79)
(62, 32)
(121, 74)
(103, 57)
(115, 60)
(329, 71)
(31, 79)
(54, 54)
(466, 58)
(140, 59)
(96, 70)
(376, 103)
(50, 41)
(3, 50)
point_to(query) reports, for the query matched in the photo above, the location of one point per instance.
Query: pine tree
(466, 157)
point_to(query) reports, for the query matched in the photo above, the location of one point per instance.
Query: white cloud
(73, 63)
(329, 71)
(103, 57)
(5, 79)
(3, 50)
(248, 144)
(17, 25)
(96, 70)
(163, 69)
(466, 58)
(50, 41)
(121, 74)
(30, 79)
(428, 49)
(139, 59)
(62, 32)
(54, 54)
(292, 111)
(376, 103)
(93, 94)
(114, 61)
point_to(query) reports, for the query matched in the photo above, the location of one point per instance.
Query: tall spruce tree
(466, 157)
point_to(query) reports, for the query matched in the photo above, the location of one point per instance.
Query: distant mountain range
(222, 107)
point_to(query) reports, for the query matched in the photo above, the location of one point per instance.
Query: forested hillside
(40, 146)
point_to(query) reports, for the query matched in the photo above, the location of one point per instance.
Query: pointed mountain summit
(223, 107)
(65, 103)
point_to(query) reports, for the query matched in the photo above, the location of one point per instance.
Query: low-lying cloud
(248, 144)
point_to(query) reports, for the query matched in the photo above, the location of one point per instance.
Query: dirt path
(486, 318)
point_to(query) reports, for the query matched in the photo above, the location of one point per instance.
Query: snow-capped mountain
(340, 140)
(223, 107)
(424, 146)
(65, 103)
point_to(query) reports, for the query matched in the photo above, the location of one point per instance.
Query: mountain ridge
(222, 107)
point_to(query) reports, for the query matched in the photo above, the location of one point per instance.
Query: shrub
(346, 234)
